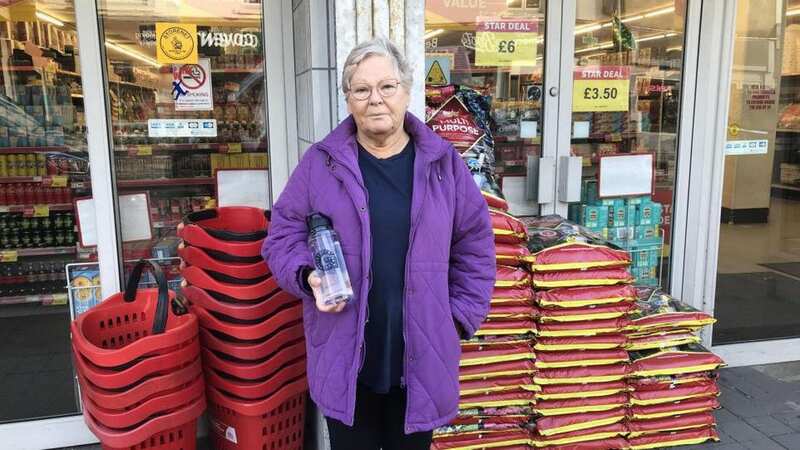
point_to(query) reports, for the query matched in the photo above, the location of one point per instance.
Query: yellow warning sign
(176, 43)
(435, 75)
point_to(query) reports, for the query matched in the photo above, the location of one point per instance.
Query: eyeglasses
(363, 91)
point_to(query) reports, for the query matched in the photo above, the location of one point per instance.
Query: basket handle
(162, 308)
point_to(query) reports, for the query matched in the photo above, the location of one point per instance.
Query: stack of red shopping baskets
(137, 356)
(251, 332)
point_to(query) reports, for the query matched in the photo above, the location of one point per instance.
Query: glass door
(485, 91)
(758, 268)
(186, 90)
(625, 92)
(44, 169)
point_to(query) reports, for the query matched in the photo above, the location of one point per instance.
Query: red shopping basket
(255, 389)
(231, 223)
(169, 401)
(196, 276)
(274, 422)
(194, 256)
(250, 350)
(175, 430)
(218, 303)
(132, 325)
(250, 330)
(198, 237)
(254, 370)
(150, 387)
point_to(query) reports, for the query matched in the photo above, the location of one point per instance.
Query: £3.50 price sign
(601, 88)
(504, 42)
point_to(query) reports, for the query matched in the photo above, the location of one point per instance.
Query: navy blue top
(389, 183)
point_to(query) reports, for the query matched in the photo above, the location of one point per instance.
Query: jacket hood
(342, 139)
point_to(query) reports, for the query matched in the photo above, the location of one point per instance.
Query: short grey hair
(379, 46)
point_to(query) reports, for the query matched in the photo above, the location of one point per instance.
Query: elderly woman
(418, 245)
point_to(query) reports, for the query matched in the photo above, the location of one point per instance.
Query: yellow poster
(176, 43)
(601, 88)
(506, 42)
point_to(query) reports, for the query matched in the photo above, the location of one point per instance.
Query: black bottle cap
(317, 221)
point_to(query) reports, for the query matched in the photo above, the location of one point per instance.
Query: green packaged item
(616, 217)
(647, 231)
(594, 217)
(649, 214)
(638, 200)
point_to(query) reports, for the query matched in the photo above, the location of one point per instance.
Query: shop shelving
(41, 299)
(196, 181)
(44, 251)
(15, 150)
(23, 208)
(246, 146)
(47, 179)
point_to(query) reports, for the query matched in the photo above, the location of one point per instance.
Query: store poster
(84, 287)
(455, 123)
(506, 42)
(601, 88)
(176, 43)
(461, 11)
(437, 68)
(191, 86)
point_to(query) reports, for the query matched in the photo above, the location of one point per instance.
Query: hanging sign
(504, 42)
(176, 43)
(437, 68)
(601, 88)
(192, 86)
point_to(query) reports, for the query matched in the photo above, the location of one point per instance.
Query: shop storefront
(120, 117)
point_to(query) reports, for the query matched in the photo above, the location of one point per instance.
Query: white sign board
(134, 215)
(243, 188)
(192, 86)
(747, 147)
(158, 128)
(622, 175)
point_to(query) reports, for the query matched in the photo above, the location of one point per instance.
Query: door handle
(553, 91)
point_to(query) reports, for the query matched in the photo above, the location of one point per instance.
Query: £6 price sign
(503, 42)
(601, 88)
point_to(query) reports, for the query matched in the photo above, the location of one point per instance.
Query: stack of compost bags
(497, 364)
(672, 378)
(583, 293)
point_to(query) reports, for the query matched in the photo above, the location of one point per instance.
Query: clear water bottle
(329, 260)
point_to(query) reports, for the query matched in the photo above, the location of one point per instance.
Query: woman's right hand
(314, 281)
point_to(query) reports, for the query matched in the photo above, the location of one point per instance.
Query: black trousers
(378, 424)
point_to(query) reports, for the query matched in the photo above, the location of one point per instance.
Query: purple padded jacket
(449, 273)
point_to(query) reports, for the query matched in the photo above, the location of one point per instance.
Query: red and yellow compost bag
(585, 328)
(686, 422)
(501, 384)
(495, 342)
(581, 297)
(512, 296)
(601, 342)
(666, 381)
(495, 355)
(552, 425)
(574, 375)
(504, 369)
(678, 360)
(615, 443)
(578, 256)
(507, 228)
(511, 277)
(495, 440)
(661, 340)
(504, 312)
(668, 395)
(601, 312)
(520, 397)
(581, 405)
(511, 254)
(575, 437)
(682, 407)
(584, 390)
(494, 201)
(580, 358)
(660, 311)
(506, 327)
(578, 278)
(670, 439)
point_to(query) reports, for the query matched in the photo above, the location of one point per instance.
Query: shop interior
(758, 280)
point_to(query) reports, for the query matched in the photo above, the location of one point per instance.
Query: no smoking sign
(192, 86)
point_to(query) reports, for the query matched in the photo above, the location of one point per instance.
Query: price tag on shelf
(234, 148)
(601, 88)
(58, 181)
(58, 299)
(504, 42)
(41, 210)
(144, 150)
(8, 256)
